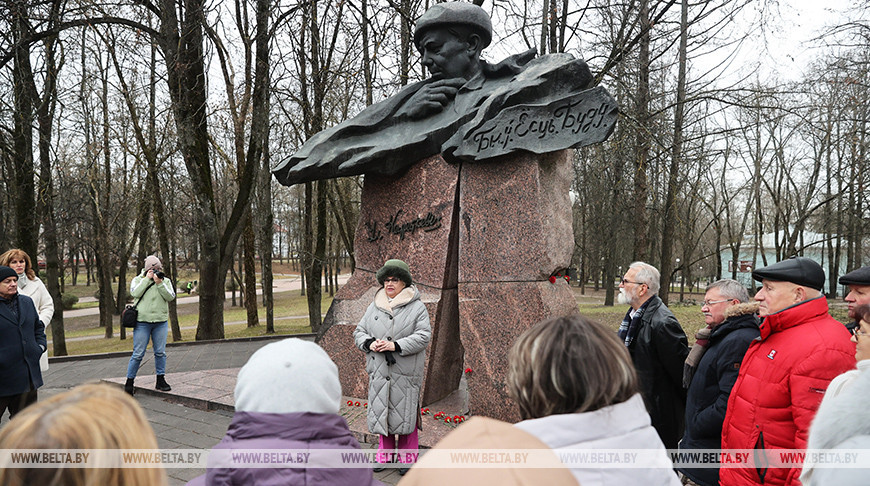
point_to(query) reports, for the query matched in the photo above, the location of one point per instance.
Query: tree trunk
(670, 216)
(266, 232)
(250, 273)
(45, 204)
(640, 225)
(22, 184)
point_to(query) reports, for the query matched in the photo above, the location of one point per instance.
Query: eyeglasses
(391, 279)
(624, 281)
(708, 303)
(856, 331)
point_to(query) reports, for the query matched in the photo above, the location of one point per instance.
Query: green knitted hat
(395, 268)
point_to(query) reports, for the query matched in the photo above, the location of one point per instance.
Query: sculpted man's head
(450, 37)
(639, 284)
(721, 295)
(788, 283)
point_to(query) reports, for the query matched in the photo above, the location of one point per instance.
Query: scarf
(12, 302)
(22, 280)
(631, 325)
(702, 339)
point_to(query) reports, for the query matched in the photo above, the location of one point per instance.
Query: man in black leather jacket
(658, 348)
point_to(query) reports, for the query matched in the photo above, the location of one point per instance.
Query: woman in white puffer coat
(30, 285)
(394, 334)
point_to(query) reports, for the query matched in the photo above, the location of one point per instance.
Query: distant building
(814, 246)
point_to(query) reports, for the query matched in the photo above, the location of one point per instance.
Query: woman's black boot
(161, 384)
(128, 387)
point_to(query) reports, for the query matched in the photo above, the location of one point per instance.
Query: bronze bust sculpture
(456, 111)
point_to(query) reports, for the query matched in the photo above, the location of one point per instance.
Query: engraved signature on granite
(430, 222)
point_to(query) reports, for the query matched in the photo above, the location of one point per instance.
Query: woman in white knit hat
(153, 292)
(287, 398)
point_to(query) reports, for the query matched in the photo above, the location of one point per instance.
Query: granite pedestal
(482, 241)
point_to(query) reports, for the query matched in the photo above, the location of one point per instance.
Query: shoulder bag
(130, 315)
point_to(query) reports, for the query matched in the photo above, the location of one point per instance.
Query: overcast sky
(792, 38)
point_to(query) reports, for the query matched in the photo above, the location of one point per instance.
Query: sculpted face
(9, 287)
(444, 53)
(858, 295)
(775, 296)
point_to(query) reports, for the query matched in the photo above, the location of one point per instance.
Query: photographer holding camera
(153, 291)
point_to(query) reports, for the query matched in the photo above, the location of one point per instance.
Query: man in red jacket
(785, 371)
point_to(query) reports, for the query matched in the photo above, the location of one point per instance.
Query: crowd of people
(769, 372)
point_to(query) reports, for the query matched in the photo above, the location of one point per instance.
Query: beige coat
(436, 469)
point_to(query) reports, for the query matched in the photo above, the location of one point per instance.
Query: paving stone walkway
(199, 409)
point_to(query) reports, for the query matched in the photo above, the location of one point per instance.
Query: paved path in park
(279, 285)
(179, 421)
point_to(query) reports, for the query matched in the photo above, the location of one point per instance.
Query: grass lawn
(291, 303)
(235, 324)
(688, 313)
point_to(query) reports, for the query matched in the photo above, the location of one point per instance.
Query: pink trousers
(388, 443)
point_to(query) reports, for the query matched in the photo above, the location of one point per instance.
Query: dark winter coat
(708, 394)
(22, 340)
(659, 353)
(781, 383)
(285, 432)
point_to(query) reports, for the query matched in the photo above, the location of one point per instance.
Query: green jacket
(153, 306)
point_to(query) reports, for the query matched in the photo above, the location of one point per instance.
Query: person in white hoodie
(30, 285)
(834, 420)
(576, 388)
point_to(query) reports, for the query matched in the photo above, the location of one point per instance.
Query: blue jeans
(157, 332)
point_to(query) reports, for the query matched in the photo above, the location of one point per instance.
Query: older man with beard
(858, 282)
(658, 348)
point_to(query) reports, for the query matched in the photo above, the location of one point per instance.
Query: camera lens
(160, 275)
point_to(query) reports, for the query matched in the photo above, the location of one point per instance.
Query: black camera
(160, 275)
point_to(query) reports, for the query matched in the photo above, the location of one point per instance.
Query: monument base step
(433, 429)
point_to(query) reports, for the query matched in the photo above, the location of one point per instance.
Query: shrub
(69, 301)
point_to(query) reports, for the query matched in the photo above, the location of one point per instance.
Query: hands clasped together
(382, 345)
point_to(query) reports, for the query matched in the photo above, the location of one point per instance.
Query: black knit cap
(6, 272)
(395, 268)
(797, 270)
(860, 276)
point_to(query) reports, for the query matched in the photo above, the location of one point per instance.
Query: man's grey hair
(730, 289)
(649, 275)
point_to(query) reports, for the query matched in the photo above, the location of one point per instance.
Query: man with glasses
(711, 370)
(658, 348)
(785, 372)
